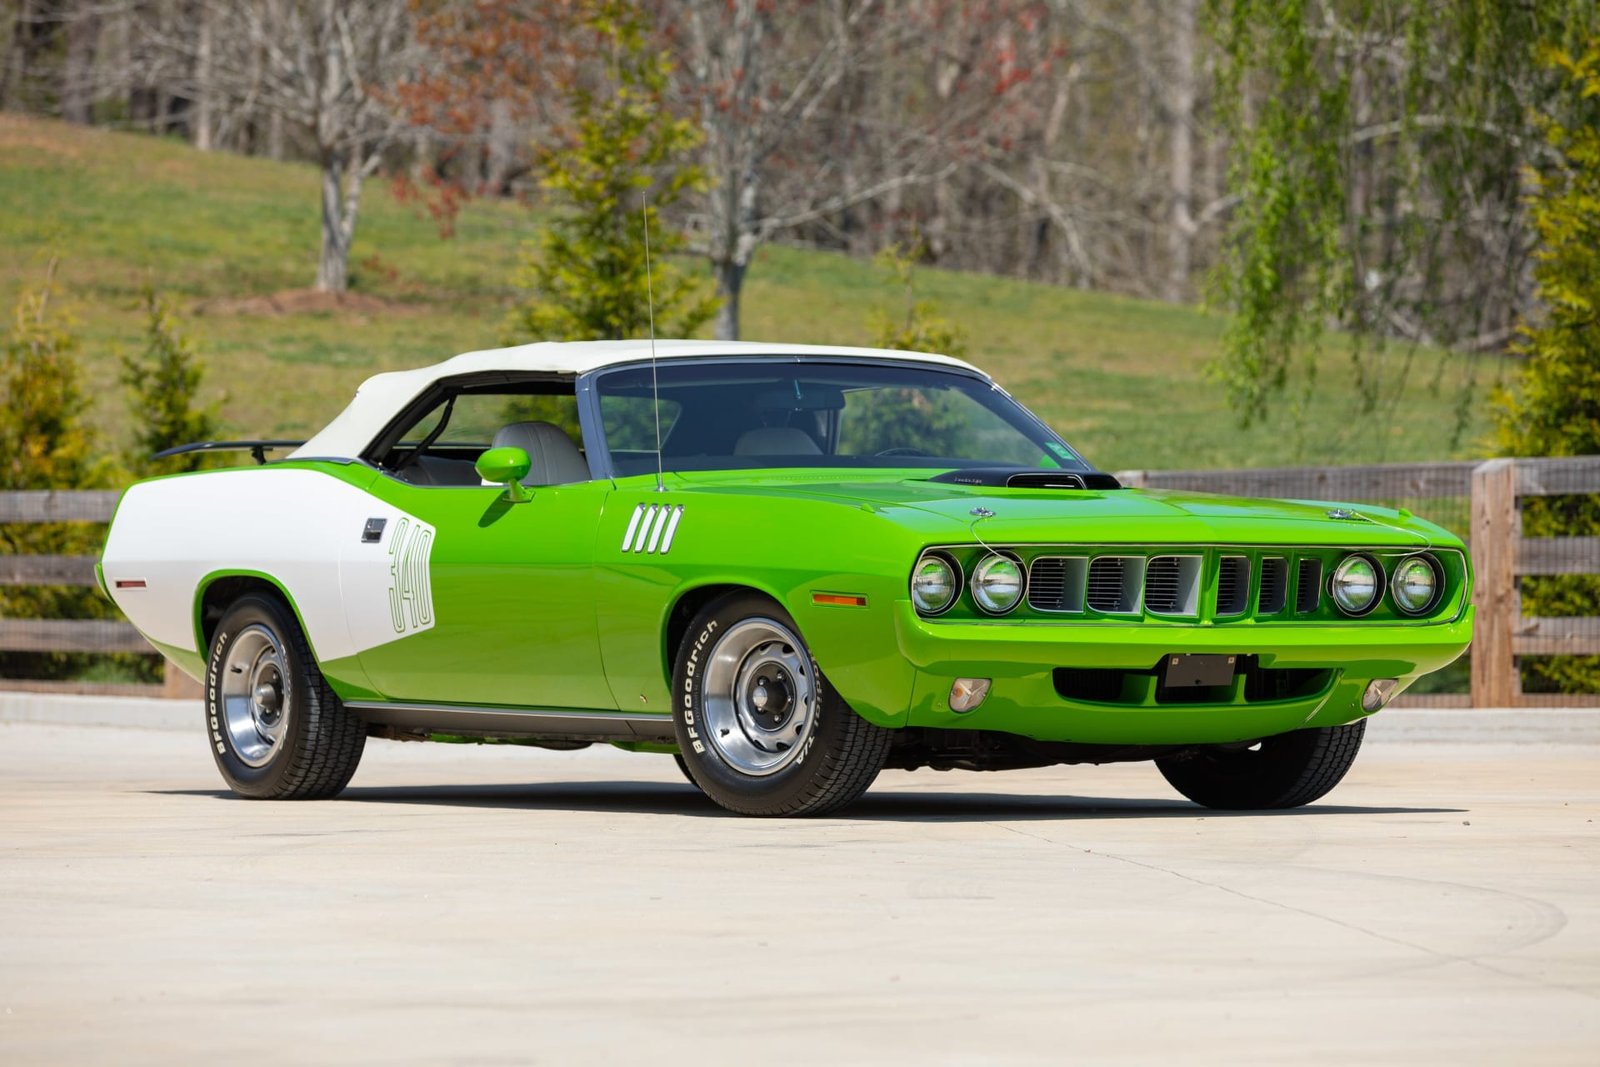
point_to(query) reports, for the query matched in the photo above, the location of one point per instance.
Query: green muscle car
(789, 566)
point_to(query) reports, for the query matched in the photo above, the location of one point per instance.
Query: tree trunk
(204, 116)
(1180, 116)
(333, 269)
(78, 70)
(730, 284)
(342, 181)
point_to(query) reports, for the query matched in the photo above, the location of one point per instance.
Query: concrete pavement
(489, 905)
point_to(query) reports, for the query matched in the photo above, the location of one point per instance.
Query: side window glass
(442, 447)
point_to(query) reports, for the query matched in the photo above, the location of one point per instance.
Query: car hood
(943, 511)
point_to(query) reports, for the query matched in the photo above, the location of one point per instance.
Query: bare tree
(788, 145)
(323, 70)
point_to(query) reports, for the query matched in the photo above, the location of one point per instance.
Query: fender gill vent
(1171, 585)
(1308, 587)
(1055, 583)
(1274, 585)
(1114, 584)
(1233, 585)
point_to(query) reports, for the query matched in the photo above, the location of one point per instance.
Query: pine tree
(619, 164)
(45, 444)
(1558, 410)
(164, 381)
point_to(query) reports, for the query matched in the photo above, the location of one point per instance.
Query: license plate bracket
(1192, 670)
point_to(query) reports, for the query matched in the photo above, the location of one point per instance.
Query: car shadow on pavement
(660, 798)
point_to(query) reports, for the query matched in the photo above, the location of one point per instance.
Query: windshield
(771, 413)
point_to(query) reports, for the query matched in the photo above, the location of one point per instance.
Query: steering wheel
(903, 450)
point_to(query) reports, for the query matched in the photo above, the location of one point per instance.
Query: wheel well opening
(223, 592)
(683, 613)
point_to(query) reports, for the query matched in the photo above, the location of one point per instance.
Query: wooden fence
(71, 635)
(1500, 555)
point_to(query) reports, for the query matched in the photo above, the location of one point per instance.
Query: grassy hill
(1123, 379)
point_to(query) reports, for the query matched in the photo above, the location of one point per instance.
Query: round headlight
(1415, 585)
(1356, 583)
(934, 584)
(997, 584)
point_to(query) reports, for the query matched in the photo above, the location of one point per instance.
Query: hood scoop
(1028, 478)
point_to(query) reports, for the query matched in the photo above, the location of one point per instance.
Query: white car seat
(553, 458)
(776, 441)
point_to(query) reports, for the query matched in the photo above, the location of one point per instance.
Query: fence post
(175, 685)
(1494, 529)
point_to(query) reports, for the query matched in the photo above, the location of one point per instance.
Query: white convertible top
(382, 395)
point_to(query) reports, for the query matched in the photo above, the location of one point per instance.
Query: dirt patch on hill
(303, 301)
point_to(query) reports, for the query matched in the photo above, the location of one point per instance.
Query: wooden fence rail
(1500, 555)
(71, 635)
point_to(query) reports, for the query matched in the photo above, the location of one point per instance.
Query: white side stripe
(633, 524)
(672, 528)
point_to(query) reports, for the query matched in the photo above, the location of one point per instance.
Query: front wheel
(278, 732)
(760, 729)
(1279, 772)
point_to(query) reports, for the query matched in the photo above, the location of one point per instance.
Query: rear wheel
(760, 730)
(277, 731)
(1278, 772)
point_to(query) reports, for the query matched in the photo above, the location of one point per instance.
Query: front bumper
(1024, 699)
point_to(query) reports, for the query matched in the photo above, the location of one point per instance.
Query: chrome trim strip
(672, 529)
(633, 524)
(531, 722)
(478, 709)
(645, 527)
(658, 528)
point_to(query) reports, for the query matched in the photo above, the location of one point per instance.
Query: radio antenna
(650, 307)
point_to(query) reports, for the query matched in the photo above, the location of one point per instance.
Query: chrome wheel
(255, 695)
(760, 699)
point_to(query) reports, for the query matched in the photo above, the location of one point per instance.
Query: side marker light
(968, 693)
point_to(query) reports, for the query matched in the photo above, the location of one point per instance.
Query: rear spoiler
(258, 449)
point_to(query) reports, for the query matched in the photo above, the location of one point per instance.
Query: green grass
(1123, 379)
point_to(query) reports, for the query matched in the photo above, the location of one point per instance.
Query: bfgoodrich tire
(277, 731)
(1279, 772)
(760, 729)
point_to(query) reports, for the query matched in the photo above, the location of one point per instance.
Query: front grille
(1113, 585)
(1274, 585)
(1172, 585)
(1308, 588)
(1133, 688)
(1233, 585)
(1055, 583)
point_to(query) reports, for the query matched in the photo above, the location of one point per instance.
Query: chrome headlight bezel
(1435, 594)
(1334, 586)
(984, 568)
(956, 582)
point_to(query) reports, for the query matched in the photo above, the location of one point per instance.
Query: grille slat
(1113, 585)
(1233, 585)
(1055, 583)
(1308, 587)
(1171, 585)
(1274, 585)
